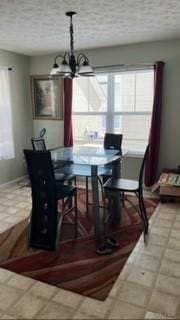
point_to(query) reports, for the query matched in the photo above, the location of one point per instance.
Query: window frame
(110, 114)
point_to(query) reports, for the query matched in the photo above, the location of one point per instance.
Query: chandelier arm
(62, 56)
(80, 57)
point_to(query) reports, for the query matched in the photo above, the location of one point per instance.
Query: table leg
(116, 212)
(95, 201)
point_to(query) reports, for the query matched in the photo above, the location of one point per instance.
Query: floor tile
(43, 290)
(176, 225)
(125, 310)
(152, 250)
(4, 226)
(82, 316)
(155, 316)
(20, 282)
(174, 244)
(8, 296)
(68, 298)
(164, 232)
(5, 275)
(175, 234)
(141, 276)
(159, 222)
(168, 284)
(55, 311)
(147, 262)
(170, 268)
(163, 303)
(6, 317)
(27, 307)
(137, 294)
(157, 239)
(95, 307)
(173, 255)
(116, 287)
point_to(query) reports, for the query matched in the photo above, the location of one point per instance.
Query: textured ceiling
(36, 27)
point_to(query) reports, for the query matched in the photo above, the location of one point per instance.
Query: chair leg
(143, 213)
(29, 231)
(122, 198)
(87, 196)
(76, 215)
(104, 220)
(58, 231)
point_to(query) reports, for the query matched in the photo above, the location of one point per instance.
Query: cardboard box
(168, 186)
(169, 191)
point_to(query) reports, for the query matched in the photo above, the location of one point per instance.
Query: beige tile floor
(147, 288)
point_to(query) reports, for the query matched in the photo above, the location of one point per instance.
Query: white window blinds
(6, 133)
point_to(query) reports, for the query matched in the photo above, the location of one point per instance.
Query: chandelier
(71, 66)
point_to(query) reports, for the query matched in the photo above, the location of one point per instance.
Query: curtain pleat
(155, 131)
(68, 129)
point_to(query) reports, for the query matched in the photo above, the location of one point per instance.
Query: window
(119, 102)
(6, 135)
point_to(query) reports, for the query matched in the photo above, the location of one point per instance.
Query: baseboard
(13, 182)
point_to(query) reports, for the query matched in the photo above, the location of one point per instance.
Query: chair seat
(122, 185)
(63, 191)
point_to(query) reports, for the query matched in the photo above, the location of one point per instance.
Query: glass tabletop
(85, 155)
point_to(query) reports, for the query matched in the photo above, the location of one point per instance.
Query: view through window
(113, 102)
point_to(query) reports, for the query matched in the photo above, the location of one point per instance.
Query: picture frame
(47, 97)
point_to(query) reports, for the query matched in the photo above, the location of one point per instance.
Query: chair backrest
(141, 172)
(113, 141)
(38, 143)
(44, 200)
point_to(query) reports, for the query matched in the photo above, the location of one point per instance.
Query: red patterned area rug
(76, 266)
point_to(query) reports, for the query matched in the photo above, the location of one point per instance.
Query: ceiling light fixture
(72, 66)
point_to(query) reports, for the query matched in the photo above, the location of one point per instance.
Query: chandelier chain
(71, 36)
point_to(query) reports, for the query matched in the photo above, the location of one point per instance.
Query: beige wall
(21, 113)
(169, 52)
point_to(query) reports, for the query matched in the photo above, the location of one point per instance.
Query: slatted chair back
(38, 143)
(113, 141)
(44, 199)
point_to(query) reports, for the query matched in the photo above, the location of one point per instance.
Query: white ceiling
(36, 27)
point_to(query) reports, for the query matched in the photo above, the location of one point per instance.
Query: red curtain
(155, 131)
(68, 130)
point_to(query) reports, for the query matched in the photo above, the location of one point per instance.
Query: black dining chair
(51, 201)
(62, 172)
(119, 187)
(112, 141)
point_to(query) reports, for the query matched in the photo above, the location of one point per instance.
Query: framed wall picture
(47, 97)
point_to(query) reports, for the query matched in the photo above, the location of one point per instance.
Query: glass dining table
(93, 158)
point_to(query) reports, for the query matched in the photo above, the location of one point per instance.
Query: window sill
(133, 154)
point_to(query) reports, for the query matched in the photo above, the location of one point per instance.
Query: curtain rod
(125, 66)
